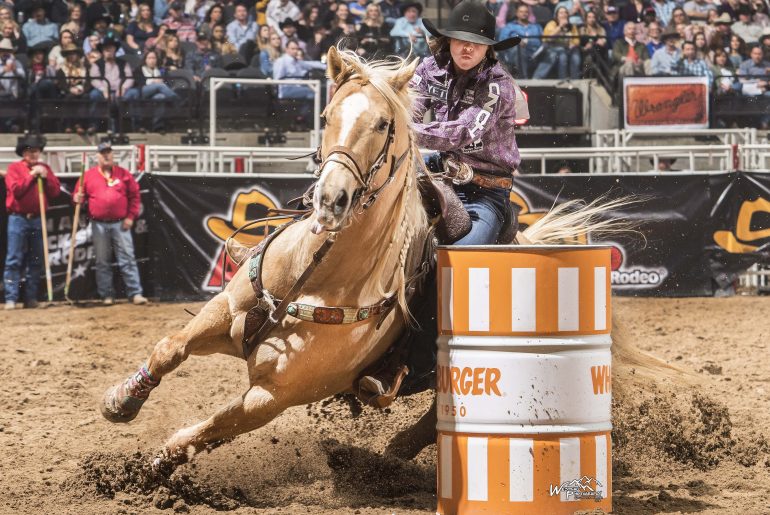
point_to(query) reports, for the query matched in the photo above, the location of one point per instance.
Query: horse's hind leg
(252, 410)
(207, 333)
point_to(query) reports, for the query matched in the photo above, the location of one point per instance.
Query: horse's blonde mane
(408, 218)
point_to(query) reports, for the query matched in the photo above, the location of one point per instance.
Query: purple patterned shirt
(473, 114)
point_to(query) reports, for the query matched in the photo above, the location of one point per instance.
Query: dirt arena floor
(687, 440)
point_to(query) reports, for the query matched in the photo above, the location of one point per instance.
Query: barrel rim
(500, 248)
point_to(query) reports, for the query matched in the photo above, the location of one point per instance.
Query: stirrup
(372, 391)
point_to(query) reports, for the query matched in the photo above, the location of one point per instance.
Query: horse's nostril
(341, 203)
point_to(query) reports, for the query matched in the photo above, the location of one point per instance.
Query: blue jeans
(486, 207)
(158, 92)
(567, 62)
(25, 250)
(106, 237)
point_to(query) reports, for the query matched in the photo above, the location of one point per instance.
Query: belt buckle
(463, 174)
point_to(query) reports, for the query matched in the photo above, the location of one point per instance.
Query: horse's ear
(335, 66)
(402, 78)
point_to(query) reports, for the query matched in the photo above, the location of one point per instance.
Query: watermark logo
(586, 487)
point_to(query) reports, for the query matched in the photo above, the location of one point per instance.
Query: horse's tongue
(316, 228)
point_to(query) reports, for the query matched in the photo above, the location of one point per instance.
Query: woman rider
(475, 104)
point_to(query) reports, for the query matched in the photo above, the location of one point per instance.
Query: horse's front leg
(207, 333)
(252, 410)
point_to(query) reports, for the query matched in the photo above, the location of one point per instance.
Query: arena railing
(69, 160)
(622, 137)
(314, 85)
(201, 159)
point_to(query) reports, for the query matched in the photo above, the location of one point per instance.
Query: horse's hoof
(118, 407)
(165, 463)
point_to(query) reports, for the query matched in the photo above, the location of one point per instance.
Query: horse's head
(371, 102)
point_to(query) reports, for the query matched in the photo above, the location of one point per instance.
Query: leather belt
(491, 181)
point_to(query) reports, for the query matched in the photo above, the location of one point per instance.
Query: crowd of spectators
(106, 50)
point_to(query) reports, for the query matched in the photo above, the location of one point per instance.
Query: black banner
(694, 233)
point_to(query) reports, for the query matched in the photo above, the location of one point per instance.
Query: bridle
(352, 163)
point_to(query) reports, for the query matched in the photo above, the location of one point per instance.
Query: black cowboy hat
(288, 22)
(108, 42)
(29, 141)
(471, 21)
(407, 5)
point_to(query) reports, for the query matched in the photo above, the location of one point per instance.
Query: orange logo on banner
(741, 241)
(666, 104)
(247, 206)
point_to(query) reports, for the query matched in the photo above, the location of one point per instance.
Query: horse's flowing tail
(570, 223)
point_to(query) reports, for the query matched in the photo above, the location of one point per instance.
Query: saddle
(443, 207)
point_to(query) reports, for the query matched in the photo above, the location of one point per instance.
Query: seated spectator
(522, 57)
(269, 54)
(11, 32)
(102, 9)
(613, 25)
(250, 49)
(6, 13)
(317, 47)
(663, 11)
(665, 59)
(341, 26)
(701, 48)
(764, 44)
(140, 30)
(288, 66)
(214, 16)
(198, 10)
(76, 22)
(115, 75)
(220, 43)
(374, 35)
(10, 70)
(697, 10)
(629, 56)
(173, 55)
(177, 20)
(310, 20)
(725, 79)
(737, 51)
(72, 76)
(391, 10)
(241, 29)
(101, 30)
(38, 29)
(692, 66)
(40, 75)
(745, 27)
(562, 46)
(634, 11)
(593, 39)
(357, 10)
(642, 27)
(720, 38)
(653, 37)
(753, 72)
(408, 32)
(289, 33)
(679, 17)
(203, 59)
(55, 58)
(149, 84)
(279, 10)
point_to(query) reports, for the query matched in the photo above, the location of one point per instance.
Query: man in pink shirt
(25, 233)
(112, 195)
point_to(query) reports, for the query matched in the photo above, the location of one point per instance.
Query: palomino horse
(378, 227)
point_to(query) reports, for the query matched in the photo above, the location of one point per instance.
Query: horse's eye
(382, 126)
(323, 121)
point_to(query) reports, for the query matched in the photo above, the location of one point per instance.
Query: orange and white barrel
(523, 380)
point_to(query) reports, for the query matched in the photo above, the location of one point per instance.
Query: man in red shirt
(113, 201)
(25, 234)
